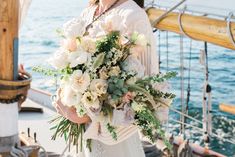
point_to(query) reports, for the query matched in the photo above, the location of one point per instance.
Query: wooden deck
(38, 122)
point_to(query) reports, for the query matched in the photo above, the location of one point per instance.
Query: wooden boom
(227, 108)
(197, 27)
(9, 14)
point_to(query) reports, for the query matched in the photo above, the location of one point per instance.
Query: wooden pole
(9, 14)
(197, 27)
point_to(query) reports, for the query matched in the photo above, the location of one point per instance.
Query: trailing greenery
(112, 131)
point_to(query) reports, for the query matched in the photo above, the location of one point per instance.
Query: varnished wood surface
(227, 108)
(197, 27)
(9, 10)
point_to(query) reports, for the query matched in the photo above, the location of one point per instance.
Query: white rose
(103, 73)
(88, 44)
(90, 100)
(80, 81)
(77, 58)
(134, 65)
(139, 39)
(99, 86)
(59, 59)
(74, 28)
(69, 97)
(114, 25)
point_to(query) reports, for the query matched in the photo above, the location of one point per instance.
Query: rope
(189, 77)
(206, 102)
(159, 50)
(167, 52)
(182, 80)
(229, 29)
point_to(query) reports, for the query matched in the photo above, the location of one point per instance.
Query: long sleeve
(139, 22)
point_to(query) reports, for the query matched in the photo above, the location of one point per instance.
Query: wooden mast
(9, 22)
(197, 27)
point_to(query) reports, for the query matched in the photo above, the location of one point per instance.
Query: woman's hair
(139, 2)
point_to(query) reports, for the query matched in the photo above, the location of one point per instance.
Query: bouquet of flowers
(102, 77)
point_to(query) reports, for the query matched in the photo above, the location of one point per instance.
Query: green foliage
(109, 42)
(46, 71)
(151, 126)
(71, 132)
(116, 87)
(99, 61)
(112, 131)
(157, 78)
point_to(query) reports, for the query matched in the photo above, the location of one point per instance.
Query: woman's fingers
(58, 110)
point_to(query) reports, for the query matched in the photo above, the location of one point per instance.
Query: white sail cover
(211, 7)
(24, 6)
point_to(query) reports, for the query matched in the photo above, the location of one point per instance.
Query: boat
(34, 136)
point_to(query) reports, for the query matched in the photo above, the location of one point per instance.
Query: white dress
(128, 143)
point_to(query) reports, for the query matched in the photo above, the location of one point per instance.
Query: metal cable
(229, 29)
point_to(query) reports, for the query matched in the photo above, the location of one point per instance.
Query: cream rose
(59, 59)
(69, 97)
(99, 86)
(88, 44)
(80, 81)
(103, 73)
(90, 100)
(78, 58)
(114, 71)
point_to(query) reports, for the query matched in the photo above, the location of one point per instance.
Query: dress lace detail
(98, 149)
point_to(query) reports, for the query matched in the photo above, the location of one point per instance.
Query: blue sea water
(38, 40)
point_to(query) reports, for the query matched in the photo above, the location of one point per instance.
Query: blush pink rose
(70, 44)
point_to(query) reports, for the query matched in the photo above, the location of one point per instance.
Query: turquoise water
(38, 41)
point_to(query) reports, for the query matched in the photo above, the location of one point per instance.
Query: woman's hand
(70, 112)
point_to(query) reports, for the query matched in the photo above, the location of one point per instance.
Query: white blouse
(134, 19)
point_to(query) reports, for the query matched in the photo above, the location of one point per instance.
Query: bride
(129, 13)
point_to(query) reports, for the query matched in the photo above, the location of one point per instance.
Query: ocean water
(38, 40)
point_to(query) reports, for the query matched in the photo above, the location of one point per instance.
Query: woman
(135, 19)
